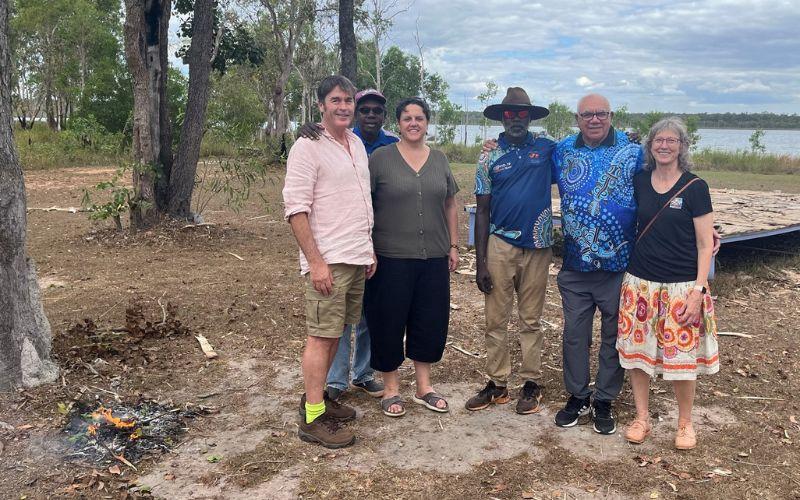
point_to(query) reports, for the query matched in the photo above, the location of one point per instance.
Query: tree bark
(347, 40)
(200, 52)
(25, 337)
(145, 31)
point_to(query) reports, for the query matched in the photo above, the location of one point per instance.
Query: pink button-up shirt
(333, 188)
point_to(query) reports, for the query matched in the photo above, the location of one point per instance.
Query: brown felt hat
(516, 99)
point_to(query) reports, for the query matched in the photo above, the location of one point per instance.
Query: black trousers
(411, 298)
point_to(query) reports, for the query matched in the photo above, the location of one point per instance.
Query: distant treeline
(715, 120)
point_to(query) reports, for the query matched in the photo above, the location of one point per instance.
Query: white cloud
(681, 56)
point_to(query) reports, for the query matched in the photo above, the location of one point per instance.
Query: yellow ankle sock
(314, 410)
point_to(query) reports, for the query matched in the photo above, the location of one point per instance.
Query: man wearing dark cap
(513, 239)
(370, 116)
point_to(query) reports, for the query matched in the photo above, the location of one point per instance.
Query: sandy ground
(236, 283)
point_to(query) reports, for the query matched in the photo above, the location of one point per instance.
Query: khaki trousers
(524, 272)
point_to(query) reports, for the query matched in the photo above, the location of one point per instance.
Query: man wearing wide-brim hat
(513, 239)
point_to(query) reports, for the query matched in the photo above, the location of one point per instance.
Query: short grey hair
(674, 124)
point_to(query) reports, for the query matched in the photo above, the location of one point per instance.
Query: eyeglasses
(510, 114)
(588, 115)
(670, 141)
(375, 110)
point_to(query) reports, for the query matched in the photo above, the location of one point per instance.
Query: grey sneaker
(371, 387)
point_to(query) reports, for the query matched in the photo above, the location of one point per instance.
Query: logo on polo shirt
(502, 166)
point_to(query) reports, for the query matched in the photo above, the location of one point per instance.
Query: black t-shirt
(667, 253)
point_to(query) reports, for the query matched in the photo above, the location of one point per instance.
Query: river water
(781, 142)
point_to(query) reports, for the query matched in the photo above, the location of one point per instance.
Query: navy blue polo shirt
(384, 139)
(518, 178)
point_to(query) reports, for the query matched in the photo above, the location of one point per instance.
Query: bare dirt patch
(250, 309)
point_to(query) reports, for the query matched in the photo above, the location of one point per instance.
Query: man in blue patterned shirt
(594, 170)
(513, 236)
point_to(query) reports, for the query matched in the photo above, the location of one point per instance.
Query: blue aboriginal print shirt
(519, 180)
(384, 139)
(598, 211)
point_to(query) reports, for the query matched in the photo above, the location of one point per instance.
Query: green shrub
(746, 161)
(458, 153)
(85, 143)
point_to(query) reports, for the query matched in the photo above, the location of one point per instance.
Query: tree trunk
(378, 64)
(347, 40)
(24, 330)
(164, 125)
(200, 51)
(146, 23)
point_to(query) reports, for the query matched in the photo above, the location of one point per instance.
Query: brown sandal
(389, 402)
(637, 431)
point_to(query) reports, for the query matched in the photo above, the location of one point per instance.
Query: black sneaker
(603, 417)
(576, 411)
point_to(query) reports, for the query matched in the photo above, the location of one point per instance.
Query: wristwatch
(700, 288)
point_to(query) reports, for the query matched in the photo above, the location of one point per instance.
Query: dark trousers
(581, 294)
(411, 298)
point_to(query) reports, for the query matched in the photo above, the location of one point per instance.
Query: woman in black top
(666, 318)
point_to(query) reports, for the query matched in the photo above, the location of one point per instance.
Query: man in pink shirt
(329, 206)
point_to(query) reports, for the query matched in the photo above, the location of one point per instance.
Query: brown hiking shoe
(325, 431)
(333, 409)
(530, 397)
(491, 394)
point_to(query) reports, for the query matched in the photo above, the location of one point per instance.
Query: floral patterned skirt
(650, 337)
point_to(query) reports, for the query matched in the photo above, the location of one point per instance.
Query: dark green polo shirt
(410, 220)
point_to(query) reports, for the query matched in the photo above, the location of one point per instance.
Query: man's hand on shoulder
(311, 131)
(489, 145)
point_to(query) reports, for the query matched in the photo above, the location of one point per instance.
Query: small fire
(105, 414)
(92, 430)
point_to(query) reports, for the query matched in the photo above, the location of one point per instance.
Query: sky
(678, 56)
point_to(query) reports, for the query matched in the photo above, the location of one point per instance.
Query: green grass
(745, 161)
(42, 148)
(788, 183)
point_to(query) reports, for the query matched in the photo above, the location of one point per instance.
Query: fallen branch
(109, 309)
(116, 396)
(206, 347)
(758, 465)
(231, 253)
(759, 398)
(202, 224)
(163, 310)
(551, 325)
(462, 350)
(735, 334)
(71, 210)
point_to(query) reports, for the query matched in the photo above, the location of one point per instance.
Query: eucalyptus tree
(25, 336)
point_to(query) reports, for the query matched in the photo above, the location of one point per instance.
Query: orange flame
(92, 430)
(105, 414)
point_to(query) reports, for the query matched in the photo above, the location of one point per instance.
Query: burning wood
(106, 415)
(126, 434)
